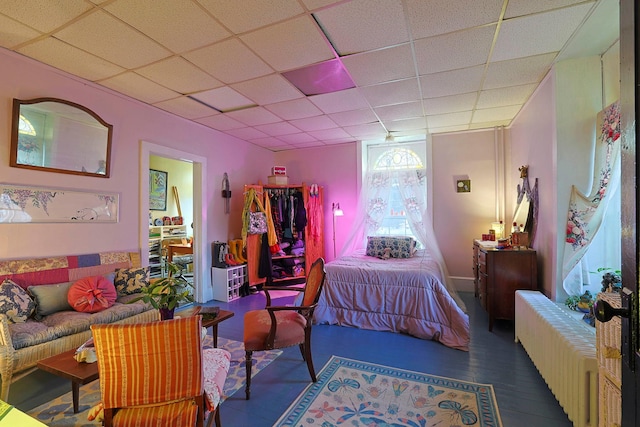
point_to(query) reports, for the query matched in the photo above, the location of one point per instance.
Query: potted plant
(167, 293)
(611, 279)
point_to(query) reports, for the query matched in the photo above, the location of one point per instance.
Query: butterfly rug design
(354, 393)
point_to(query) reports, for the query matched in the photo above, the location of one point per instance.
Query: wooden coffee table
(65, 366)
(208, 323)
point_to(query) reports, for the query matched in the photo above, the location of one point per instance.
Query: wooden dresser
(498, 273)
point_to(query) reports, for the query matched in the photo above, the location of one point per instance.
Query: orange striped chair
(153, 374)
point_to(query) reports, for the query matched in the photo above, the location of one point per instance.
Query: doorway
(202, 280)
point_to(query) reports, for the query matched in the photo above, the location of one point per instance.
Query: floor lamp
(336, 211)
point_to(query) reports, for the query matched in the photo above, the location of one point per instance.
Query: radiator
(563, 349)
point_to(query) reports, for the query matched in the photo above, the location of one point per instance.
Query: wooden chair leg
(307, 357)
(248, 363)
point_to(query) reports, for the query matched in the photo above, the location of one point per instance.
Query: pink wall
(132, 122)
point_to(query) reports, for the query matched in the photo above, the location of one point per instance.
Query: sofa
(39, 318)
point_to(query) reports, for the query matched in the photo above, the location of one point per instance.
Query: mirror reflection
(526, 211)
(59, 136)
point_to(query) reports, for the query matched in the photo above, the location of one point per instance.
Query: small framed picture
(463, 186)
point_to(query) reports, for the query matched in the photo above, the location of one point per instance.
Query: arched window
(398, 158)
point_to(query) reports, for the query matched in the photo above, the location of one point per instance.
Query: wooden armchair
(284, 326)
(152, 374)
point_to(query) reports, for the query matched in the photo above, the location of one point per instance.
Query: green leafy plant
(582, 302)
(167, 292)
(611, 279)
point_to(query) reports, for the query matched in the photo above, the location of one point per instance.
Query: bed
(403, 295)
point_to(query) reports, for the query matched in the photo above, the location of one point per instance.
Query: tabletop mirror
(55, 135)
(526, 211)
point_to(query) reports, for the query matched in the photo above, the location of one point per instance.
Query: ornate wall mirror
(60, 136)
(526, 212)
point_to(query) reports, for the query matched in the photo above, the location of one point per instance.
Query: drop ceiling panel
(223, 99)
(254, 116)
(295, 138)
(324, 134)
(450, 104)
(314, 123)
(450, 119)
(345, 100)
(392, 93)
(380, 66)
(278, 129)
(526, 7)
(365, 131)
(179, 26)
(512, 95)
(400, 111)
(111, 39)
(361, 25)
(70, 59)
(295, 109)
(406, 125)
(185, 107)
(178, 74)
(495, 114)
(43, 16)
(537, 34)
(472, 48)
(14, 33)
(435, 17)
(354, 117)
(518, 71)
(247, 133)
(138, 87)
(305, 44)
(268, 89)
(221, 122)
(452, 82)
(246, 15)
(229, 61)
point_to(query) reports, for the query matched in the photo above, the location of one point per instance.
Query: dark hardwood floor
(494, 358)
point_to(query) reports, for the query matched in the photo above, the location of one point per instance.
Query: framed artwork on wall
(157, 190)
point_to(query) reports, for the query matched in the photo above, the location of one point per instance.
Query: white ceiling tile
(14, 33)
(185, 107)
(254, 116)
(449, 119)
(246, 15)
(349, 140)
(297, 138)
(221, 122)
(406, 124)
(179, 26)
(308, 144)
(294, 109)
(450, 104)
(452, 82)
(138, 87)
(526, 7)
(70, 59)
(400, 111)
(495, 114)
(314, 123)
(268, 89)
(354, 117)
(517, 72)
(278, 129)
(229, 61)
(223, 99)
(345, 100)
(380, 66)
(492, 124)
(472, 48)
(43, 16)
(392, 93)
(366, 130)
(360, 25)
(537, 34)
(305, 44)
(512, 95)
(447, 129)
(334, 133)
(111, 39)
(247, 133)
(435, 17)
(268, 141)
(317, 4)
(180, 75)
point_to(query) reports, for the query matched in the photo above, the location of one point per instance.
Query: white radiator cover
(563, 349)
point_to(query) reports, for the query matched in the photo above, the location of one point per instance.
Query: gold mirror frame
(56, 135)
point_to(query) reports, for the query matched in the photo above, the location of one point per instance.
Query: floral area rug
(59, 412)
(358, 394)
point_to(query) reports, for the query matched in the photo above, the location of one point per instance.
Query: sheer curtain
(587, 212)
(373, 207)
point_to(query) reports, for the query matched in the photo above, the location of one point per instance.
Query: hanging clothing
(300, 213)
(265, 266)
(314, 215)
(271, 231)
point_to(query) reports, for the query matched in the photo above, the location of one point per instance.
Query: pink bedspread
(398, 295)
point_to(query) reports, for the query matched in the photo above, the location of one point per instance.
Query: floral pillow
(15, 302)
(395, 246)
(131, 280)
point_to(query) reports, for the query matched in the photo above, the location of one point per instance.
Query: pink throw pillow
(92, 294)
